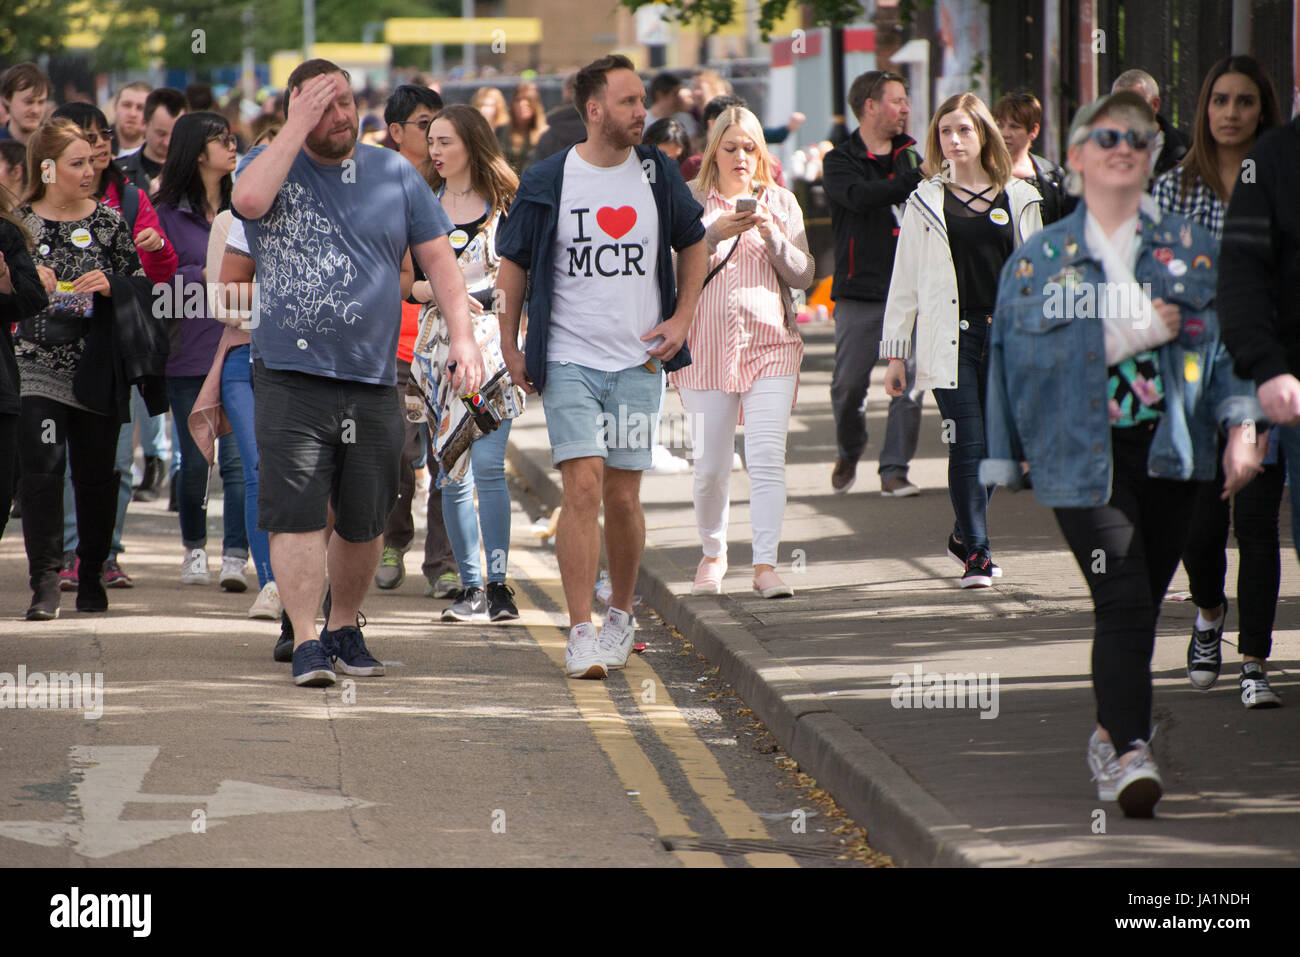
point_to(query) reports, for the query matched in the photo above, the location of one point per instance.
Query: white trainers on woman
(194, 568)
(268, 604)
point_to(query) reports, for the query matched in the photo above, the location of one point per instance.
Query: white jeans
(713, 416)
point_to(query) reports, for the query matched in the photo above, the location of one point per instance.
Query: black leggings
(1128, 550)
(1254, 520)
(50, 435)
(8, 464)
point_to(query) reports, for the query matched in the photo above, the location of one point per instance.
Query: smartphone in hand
(746, 204)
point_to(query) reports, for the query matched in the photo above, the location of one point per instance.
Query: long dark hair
(1203, 158)
(489, 174)
(180, 173)
(90, 117)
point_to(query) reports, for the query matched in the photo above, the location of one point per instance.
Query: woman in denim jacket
(1117, 418)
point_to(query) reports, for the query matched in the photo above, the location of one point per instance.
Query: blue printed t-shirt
(329, 255)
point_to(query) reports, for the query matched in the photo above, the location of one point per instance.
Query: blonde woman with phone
(745, 346)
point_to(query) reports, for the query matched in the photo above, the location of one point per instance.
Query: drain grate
(742, 846)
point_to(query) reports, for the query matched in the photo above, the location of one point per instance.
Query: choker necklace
(455, 193)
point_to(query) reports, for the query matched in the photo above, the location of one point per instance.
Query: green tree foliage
(29, 28)
(709, 15)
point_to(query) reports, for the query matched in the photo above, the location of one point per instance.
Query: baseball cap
(1089, 113)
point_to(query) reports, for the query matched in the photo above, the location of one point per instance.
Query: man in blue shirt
(329, 222)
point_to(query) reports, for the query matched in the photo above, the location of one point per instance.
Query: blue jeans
(125, 454)
(237, 398)
(153, 428)
(962, 409)
(487, 472)
(182, 391)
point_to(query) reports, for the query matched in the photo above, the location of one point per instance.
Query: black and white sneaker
(979, 571)
(1255, 692)
(957, 552)
(470, 605)
(501, 602)
(284, 644)
(1204, 654)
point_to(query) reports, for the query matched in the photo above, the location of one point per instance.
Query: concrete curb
(902, 818)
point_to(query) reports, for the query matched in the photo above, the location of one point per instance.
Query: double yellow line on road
(636, 771)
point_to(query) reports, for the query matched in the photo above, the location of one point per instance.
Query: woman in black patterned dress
(79, 243)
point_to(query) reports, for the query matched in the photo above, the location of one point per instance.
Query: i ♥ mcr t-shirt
(606, 296)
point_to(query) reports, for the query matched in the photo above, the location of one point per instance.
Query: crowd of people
(1120, 335)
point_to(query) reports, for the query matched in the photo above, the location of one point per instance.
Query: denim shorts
(612, 415)
(324, 441)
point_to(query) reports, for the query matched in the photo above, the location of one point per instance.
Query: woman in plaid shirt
(1237, 104)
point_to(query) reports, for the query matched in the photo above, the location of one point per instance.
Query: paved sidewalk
(876, 596)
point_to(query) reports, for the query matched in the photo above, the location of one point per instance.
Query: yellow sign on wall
(425, 31)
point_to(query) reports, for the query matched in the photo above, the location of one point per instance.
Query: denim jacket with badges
(1047, 389)
(527, 238)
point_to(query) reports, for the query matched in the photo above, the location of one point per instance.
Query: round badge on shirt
(44, 249)
(81, 237)
(1177, 267)
(458, 238)
(999, 217)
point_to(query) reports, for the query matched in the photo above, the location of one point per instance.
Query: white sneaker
(232, 573)
(1139, 786)
(582, 657)
(194, 569)
(616, 639)
(664, 462)
(268, 604)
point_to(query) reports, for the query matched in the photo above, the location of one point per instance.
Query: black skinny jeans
(963, 411)
(1254, 520)
(1128, 550)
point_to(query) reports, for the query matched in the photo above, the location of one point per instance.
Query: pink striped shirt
(740, 331)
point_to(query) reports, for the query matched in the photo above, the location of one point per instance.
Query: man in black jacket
(162, 108)
(865, 177)
(564, 127)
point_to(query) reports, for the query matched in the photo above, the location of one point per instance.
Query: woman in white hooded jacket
(959, 227)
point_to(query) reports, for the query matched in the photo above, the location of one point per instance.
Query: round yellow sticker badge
(999, 217)
(81, 237)
(458, 238)
(1191, 368)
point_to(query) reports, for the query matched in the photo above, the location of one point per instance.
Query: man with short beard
(162, 108)
(128, 118)
(328, 419)
(596, 226)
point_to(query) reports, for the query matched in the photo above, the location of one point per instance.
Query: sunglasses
(229, 140)
(103, 136)
(1108, 139)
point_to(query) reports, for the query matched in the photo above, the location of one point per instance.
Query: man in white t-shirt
(596, 225)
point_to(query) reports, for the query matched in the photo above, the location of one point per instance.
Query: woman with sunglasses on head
(958, 229)
(1236, 106)
(745, 345)
(196, 184)
(71, 390)
(113, 189)
(1107, 375)
(475, 185)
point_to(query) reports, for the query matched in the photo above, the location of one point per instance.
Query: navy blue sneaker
(284, 644)
(311, 665)
(349, 654)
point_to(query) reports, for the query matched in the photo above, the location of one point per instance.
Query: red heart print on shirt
(616, 222)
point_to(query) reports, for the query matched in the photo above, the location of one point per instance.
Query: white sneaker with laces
(616, 639)
(268, 604)
(582, 657)
(232, 573)
(194, 568)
